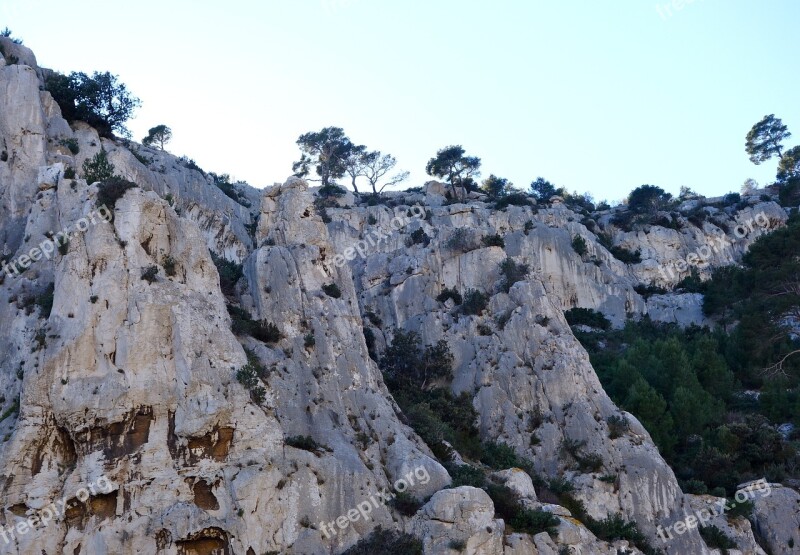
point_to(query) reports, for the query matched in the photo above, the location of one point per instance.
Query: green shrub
(309, 340)
(579, 245)
(243, 324)
(71, 144)
(100, 100)
(306, 443)
(591, 462)
(111, 190)
(512, 272)
(98, 167)
(45, 301)
(508, 507)
(617, 426)
(462, 240)
(406, 504)
(69, 173)
(248, 375)
(624, 255)
(449, 293)
(717, 539)
(418, 237)
(229, 274)
(405, 360)
(63, 246)
(587, 317)
(150, 273)
(475, 302)
(332, 290)
(386, 542)
(466, 475)
(169, 264)
(515, 199)
(495, 240)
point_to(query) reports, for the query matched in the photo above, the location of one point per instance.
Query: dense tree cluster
(100, 100)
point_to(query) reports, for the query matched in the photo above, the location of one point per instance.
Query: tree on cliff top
(327, 150)
(101, 100)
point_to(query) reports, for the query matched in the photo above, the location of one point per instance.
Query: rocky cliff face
(123, 414)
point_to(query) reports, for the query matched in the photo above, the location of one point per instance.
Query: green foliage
(511, 272)
(617, 528)
(149, 274)
(542, 189)
(248, 376)
(682, 386)
(406, 361)
(717, 539)
(69, 173)
(386, 542)
(327, 151)
(512, 199)
(466, 475)
(579, 245)
(7, 33)
(508, 507)
(453, 164)
(764, 139)
(449, 293)
(617, 426)
(223, 183)
(100, 100)
(789, 165)
(587, 317)
(98, 167)
(71, 144)
(306, 443)
(496, 187)
(648, 199)
(462, 240)
(475, 302)
(309, 340)
(332, 290)
(624, 255)
(495, 240)
(229, 274)
(406, 504)
(418, 237)
(169, 264)
(111, 190)
(158, 136)
(243, 324)
(45, 301)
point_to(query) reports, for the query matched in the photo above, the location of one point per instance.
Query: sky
(595, 96)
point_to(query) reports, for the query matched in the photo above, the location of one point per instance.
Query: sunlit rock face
(127, 427)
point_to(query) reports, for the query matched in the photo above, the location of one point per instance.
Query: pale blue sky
(598, 96)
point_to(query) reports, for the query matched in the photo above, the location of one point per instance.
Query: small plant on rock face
(71, 144)
(475, 302)
(169, 264)
(150, 273)
(495, 240)
(418, 237)
(98, 168)
(617, 426)
(512, 272)
(462, 240)
(309, 340)
(111, 190)
(305, 443)
(450, 293)
(579, 245)
(69, 173)
(386, 542)
(332, 290)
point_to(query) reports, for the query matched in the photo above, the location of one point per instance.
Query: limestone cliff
(131, 376)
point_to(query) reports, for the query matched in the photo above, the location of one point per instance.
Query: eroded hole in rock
(146, 245)
(19, 509)
(75, 514)
(56, 445)
(104, 505)
(214, 445)
(163, 539)
(209, 541)
(204, 497)
(118, 439)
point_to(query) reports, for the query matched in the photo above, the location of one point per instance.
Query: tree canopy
(101, 100)
(542, 189)
(327, 151)
(158, 136)
(648, 199)
(453, 164)
(764, 140)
